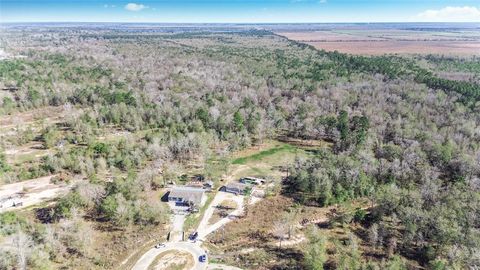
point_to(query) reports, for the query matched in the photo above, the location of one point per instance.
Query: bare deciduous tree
(22, 243)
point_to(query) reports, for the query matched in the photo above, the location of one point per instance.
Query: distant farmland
(376, 42)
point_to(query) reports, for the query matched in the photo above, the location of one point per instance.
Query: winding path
(204, 229)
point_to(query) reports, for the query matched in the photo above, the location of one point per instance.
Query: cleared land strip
(28, 193)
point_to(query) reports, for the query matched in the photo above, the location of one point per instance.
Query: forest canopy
(403, 131)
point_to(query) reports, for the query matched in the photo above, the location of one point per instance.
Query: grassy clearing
(263, 154)
(266, 160)
(30, 157)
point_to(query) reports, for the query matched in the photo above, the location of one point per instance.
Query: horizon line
(238, 23)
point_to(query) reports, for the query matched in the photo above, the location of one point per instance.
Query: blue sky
(239, 11)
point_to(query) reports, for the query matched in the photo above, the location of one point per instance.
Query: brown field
(227, 207)
(377, 42)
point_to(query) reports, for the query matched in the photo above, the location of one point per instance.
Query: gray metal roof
(236, 185)
(191, 194)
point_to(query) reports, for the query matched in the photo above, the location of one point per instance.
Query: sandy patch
(173, 259)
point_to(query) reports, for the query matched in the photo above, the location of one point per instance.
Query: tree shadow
(290, 258)
(164, 198)
(45, 215)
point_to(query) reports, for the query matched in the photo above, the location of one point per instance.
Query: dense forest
(404, 133)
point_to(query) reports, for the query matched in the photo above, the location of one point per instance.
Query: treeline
(329, 179)
(394, 67)
(469, 91)
(455, 64)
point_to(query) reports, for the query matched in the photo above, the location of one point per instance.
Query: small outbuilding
(187, 196)
(236, 188)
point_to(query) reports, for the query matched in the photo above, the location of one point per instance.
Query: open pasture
(396, 41)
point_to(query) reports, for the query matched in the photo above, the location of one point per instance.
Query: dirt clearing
(31, 192)
(174, 260)
(222, 210)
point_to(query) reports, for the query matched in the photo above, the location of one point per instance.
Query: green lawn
(277, 149)
(267, 161)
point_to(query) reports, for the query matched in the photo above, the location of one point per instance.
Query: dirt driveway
(178, 219)
(204, 228)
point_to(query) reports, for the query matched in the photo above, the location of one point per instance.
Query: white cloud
(306, 1)
(135, 7)
(450, 14)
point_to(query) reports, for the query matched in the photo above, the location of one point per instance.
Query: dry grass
(48, 114)
(115, 247)
(222, 210)
(378, 42)
(25, 153)
(249, 243)
(401, 47)
(173, 260)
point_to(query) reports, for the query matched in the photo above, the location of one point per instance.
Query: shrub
(359, 215)
(66, 204)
